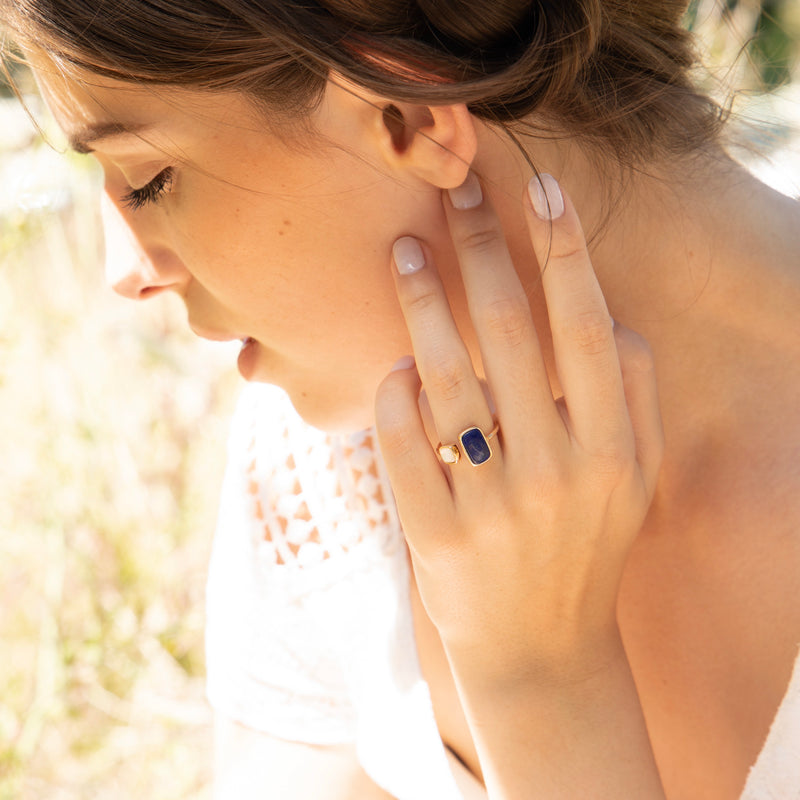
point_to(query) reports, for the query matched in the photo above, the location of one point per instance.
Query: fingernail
(406, 362)
(546, 197)
(468, 195)
(408, 255)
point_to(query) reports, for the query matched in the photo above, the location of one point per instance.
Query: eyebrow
(82, 141)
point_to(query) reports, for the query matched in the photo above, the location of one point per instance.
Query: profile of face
(277, 237)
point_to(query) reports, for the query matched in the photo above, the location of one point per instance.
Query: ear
(435, 143)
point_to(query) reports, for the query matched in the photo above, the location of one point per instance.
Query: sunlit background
(113, 420)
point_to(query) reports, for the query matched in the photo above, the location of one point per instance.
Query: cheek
(311, 278)
(312, 286)
(309, 248)
(231, 244)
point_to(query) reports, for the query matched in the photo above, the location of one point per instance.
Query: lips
(248, 358)
(216, 336)
(248, 354)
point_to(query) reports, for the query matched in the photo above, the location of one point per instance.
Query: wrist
(586, 660)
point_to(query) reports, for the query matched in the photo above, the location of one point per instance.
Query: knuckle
(542, 478)
(447, 378)
(421, 302)
(556, 480)
(507, 319)
(394, 427)
(567, 250)
(613, 460)
(396, 439)
(591, 331)
(483, 240)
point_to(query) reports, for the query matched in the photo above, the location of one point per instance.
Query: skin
(685, 619)
(293, 203)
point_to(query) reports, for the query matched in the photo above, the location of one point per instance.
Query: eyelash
(152, 193)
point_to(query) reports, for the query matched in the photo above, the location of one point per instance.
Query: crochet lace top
(309, 633)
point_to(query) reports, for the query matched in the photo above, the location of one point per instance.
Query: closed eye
(153, 192)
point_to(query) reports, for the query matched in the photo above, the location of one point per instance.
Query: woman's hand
(518, 560)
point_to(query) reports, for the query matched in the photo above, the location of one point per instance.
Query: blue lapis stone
(475, 447)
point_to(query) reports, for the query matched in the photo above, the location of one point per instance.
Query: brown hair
(614, 73)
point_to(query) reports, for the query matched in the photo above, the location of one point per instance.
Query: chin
(342, 420)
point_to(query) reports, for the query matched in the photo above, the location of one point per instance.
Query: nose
(132, 269)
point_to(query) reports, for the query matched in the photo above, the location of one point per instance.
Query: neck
(652, 233)
(689, 253)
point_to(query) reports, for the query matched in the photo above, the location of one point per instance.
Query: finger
(583, 342)
(502, 319)
(641, 395)
(422, 493)
(453, 389)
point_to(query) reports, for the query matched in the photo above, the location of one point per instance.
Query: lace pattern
(309, 630)
(305, 517)
(315, 497)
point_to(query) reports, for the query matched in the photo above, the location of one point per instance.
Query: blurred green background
(113, 419)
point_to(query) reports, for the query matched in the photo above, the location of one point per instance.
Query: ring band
(474, 444)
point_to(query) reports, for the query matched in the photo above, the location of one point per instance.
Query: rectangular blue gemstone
(475, 446)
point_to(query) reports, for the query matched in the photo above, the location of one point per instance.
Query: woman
(603, 600)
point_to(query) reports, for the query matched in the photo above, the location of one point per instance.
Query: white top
(309, 631)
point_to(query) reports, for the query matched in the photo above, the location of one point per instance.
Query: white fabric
(776, 773)
(309, 630)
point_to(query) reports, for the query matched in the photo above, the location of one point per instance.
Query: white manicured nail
(406, 362)
(546, 197)
(408, 255)
(468, 195)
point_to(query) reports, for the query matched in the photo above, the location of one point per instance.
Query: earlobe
(436, 143)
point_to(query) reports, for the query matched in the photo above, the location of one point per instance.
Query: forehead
(88, 106)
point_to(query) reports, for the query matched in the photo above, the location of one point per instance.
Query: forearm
(562, 733)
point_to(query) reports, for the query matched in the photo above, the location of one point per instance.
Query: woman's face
(286, 244)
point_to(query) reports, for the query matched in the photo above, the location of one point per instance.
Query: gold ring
(474, 444)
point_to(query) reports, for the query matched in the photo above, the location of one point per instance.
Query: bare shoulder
(709, 614)
(708, 605)
(739, 475)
